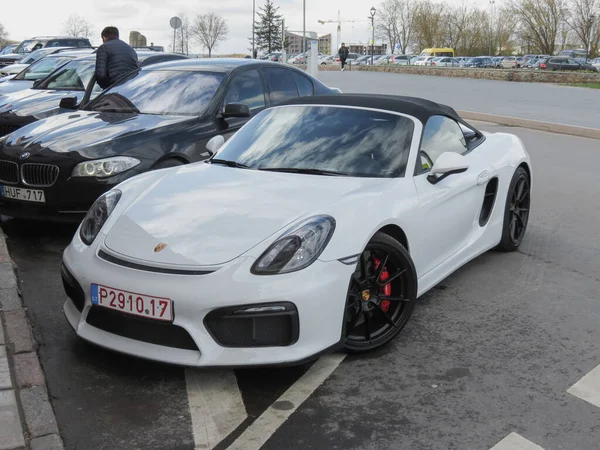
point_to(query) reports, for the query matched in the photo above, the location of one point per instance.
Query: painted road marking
(216, 405)
(515, 441)
(263, 428)
(588, 388)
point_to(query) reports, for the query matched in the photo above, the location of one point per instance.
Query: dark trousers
(343, 61)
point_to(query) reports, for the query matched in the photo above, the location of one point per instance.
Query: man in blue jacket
(114, 58)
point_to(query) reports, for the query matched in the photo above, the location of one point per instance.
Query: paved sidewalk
(27, 419)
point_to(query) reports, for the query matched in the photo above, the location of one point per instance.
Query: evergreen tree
(268, 28)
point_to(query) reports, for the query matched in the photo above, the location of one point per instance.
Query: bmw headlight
(107, 167)
(296, 249)
(97, 215)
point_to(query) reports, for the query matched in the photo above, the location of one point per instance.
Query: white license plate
(133, 303)
(24, 194)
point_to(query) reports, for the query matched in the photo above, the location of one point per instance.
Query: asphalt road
(490, 351)
(538, 101)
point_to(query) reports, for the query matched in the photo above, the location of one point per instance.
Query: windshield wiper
(228, 163)
(305, 171)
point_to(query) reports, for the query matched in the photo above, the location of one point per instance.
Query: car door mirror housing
(236, 110)
(448, 163)
(215, 144)
(68, 103)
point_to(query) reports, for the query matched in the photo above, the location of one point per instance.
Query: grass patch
(587, 85)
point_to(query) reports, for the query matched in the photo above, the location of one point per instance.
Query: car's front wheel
(516, 211)
(381, 296)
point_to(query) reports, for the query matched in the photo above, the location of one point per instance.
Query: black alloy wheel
(516, 214)
(381, 296)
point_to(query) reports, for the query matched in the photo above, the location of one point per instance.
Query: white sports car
(315, 227)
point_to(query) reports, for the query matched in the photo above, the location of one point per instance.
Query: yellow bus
(438, 52)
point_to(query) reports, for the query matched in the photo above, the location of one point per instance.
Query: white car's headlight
(97, 215)
(101, 168)
(296, 249)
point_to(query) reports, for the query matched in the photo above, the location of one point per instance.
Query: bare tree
(77, 26)
(183, 34)
(3, 36)
(584, 20)
(540, 21)
(405, 24)
(429, 25)
(209, 29)
(387, 23)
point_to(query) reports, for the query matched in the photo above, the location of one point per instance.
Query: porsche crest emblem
(160, 247)
(366, 295)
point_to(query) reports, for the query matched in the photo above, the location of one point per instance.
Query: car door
(447, 211)
(245, 87)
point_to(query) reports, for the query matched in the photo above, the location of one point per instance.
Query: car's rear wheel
(166, 163)
(516, 211)
(381, 296)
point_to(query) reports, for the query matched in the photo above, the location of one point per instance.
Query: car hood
(209, 214)
(10, 85)
(34, 102)
(14, 69)
(83, 129)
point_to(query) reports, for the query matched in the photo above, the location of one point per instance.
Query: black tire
(516, 211)
(166, 163)
(370, 322)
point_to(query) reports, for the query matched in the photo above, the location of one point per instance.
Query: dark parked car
(478, 61)
(564, 63)
(30, 45)
(73, 81)
(159, 116)
(8, 49)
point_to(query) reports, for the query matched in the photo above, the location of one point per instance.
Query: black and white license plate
(23, 194)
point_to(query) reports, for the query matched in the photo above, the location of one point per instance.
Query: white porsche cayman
(314, 228)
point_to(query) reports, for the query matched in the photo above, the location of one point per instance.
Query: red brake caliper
(387, 289)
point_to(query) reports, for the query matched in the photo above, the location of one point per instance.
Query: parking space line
(515, 441)
(263, 428)
(216, 405)
(588, 388)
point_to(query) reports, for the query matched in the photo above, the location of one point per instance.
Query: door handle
(483, 177)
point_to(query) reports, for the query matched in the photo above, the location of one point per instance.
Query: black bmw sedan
(72, 80)
(161, 116)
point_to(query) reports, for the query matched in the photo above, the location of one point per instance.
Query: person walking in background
(114, 58)
(343, 52)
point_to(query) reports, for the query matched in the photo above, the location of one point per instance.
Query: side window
(81, 44)
(305, 86)
(441, 134)
(282, 84)
(246, 88)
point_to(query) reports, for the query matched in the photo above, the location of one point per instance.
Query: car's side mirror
(448, 163)
(68, 103)
(215, 144)
(236, 110)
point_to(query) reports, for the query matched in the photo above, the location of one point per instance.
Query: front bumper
(318, 294)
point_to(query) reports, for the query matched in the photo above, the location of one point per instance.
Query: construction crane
(339, 21)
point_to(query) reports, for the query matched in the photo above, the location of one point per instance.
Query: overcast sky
(151, 18)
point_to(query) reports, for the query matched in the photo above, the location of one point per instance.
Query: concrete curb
(573, 130)
(27, 420)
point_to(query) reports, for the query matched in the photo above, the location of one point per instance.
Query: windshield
(28, 46)
(73, 76)
(169, 92)
(42, 68)
(33, 56)
(348, 141)
(8, 49)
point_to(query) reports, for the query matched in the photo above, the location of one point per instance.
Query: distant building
(365, 49)
(325, 44)
(137, 40)
(294, 41)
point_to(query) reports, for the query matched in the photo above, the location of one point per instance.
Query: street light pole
(590, 37)
(304, 29)
(492, 3)
(253, 20)
(373, 10)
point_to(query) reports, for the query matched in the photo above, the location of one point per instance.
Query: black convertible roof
(419, 108)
